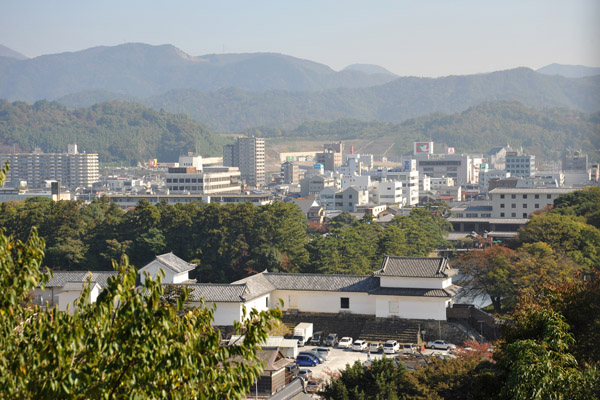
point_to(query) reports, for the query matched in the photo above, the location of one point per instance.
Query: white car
(441, 345)
(391, 347)
(345, 343)
(359, 345)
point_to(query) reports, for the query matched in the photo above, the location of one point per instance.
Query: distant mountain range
(143, 70)
(569, 71)
(234, 110)
(10, 53)
(234, 92)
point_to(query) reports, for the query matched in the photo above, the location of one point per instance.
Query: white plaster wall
(418, 283)
(66, 299)
(260, 303)
(412, 307)
(225, 313)
(42, 297)
(324, 302)
(153, 268)
(180, 277)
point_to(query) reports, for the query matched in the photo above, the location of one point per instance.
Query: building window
(349, 196)
(514, 215)
(501, 196)
(513, 196)
(548, 196)
(536, 206)
(501, 215)
(524, 205)
(267, 301)
(524, 196)
(501, 205)
(513, 205)
(345, 303)
(537, 196)
(524, 215)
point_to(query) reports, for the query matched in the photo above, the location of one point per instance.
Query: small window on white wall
(394, 307)
(345, 302)
(267, 302)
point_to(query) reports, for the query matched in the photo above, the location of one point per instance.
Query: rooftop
(175, 263)
(416, 267)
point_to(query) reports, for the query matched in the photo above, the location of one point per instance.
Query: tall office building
(248, 153)
(71, 169)
(518, 164)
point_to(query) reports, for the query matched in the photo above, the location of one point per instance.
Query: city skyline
(436, 38)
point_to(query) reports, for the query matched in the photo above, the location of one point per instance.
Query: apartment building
(519, 164)
(248, 154)
(71, 169)
(520, 203)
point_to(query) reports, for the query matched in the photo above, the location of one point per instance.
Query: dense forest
(117, 131)
(227, 242)
(544, 132)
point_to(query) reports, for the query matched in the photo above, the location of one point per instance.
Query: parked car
(409, 348)
(317, 338)
(324, 351)
(441, 344)
(345, 343)
(305, 374)
(391, 347)
(332, 340)
(313, 386)
(292, 369)
(306, 360)
(359, 345)
(315, 354)
(375, 347)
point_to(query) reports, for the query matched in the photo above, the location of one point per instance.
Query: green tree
(489, 272)
(128, 344)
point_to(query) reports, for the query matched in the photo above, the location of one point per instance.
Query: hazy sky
(420, 37)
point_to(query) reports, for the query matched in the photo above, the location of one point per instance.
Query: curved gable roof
(416, 267)
(175, 263)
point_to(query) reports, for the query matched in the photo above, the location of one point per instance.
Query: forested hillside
(544, 132)
(117, 131)
(408, 97)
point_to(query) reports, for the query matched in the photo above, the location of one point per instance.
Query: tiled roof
(256, 285)
(532, 190)
(60, 278)
(175, 263)
(450, 291)
(212, 292)
(415, 267)
(323, 282)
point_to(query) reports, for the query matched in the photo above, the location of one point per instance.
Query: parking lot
(339, 358)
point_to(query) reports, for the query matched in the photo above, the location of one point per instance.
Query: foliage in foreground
(128, 344)
(549, 352)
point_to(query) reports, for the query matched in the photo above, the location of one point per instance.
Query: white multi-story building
(463, 168)
(361, 182)
(192, 178)
(248, 154)
(344, 200)
(520, 203)
(71, 169)
(518, 164)
(386, 192)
